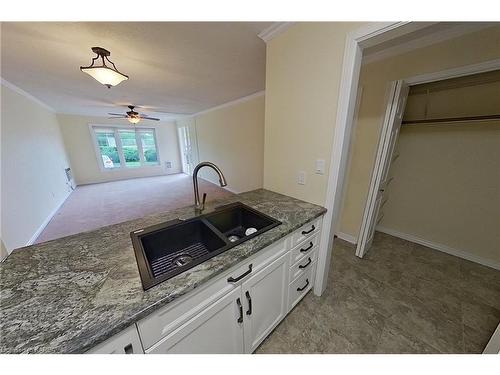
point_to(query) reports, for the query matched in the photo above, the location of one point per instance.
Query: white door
(216, 330)
(376, 195)
(265, 300)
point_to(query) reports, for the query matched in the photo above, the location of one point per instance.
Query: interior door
(380, 176)
(265, 298)
(216, 330)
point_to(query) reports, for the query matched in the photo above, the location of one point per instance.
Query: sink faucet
(199, 207)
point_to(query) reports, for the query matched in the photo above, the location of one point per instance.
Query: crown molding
(274, 30)
(425, 41)
(25, 94)
(229, 104)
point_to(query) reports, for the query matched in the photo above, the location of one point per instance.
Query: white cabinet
(126, 342)
(265, 300)
(218, 329)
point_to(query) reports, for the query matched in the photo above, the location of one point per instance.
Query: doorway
(188, 147)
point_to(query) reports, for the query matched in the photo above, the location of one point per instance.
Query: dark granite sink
(165, 250)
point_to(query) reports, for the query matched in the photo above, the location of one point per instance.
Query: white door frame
(356, 41)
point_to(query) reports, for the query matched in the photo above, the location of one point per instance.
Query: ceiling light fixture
(105, 74)
(133, 120)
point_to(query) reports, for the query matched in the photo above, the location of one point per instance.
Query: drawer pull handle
(249, 311)
(307, 248)
(240, 307)
(128, 349)
(305, 286)
(233, 280)
(304, 232)
(305, 265)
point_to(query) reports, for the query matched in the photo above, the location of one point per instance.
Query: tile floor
(402, 298)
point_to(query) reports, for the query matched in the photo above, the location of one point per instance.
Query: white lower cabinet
(218, 329)
(235, 312)
(265, 296)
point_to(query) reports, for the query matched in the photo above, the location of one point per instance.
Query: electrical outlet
(320, 166)
(168, 164)
(301, 178)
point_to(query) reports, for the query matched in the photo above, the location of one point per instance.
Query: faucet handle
(203, 201)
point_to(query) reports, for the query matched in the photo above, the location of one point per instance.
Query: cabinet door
(218, 329)
(265, 301)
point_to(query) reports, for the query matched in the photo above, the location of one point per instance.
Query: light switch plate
(301, 178)
(320, 166)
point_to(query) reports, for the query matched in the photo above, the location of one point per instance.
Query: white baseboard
(47, 220)
(440, 247)
(347, 237)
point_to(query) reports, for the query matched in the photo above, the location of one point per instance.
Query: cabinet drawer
(304, 249)
(125, 342)
(165, 320)
(306, 231)
(300, 286)
(304, 264)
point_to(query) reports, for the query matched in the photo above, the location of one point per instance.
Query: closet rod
(452, 119)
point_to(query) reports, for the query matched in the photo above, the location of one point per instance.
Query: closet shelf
(452, 119)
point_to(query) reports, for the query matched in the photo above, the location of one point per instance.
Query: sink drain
(182, 260)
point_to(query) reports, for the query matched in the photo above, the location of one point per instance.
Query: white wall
(81, 151)
(33, 162)
(232, 137)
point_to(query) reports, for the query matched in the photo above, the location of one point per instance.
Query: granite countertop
(70, 294)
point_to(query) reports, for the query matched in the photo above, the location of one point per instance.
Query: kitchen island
(71, 294)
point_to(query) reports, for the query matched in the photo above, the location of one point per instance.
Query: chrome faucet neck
(200, 206)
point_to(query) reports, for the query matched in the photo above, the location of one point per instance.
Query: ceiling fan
(133, 116)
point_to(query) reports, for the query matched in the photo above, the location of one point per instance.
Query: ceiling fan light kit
(106, 73)
(133, 116)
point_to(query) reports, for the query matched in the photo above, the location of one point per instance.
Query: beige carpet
(93, 206)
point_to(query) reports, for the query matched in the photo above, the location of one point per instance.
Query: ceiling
(174, 67)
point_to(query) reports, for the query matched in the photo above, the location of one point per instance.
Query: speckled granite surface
(69, 294)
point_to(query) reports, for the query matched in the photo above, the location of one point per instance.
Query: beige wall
(446, 187)
(303, 71)
(465, 50)
(81, 151)
(33, 160)
(233, 138)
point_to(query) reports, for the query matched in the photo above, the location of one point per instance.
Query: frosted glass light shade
(133, 120)
(105, 75)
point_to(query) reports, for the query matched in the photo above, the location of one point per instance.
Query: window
(125, 147)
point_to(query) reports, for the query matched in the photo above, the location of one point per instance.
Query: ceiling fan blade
(149, 118)
(117, 114)
(121, 117)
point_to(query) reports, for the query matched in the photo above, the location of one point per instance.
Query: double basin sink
(165, 250)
